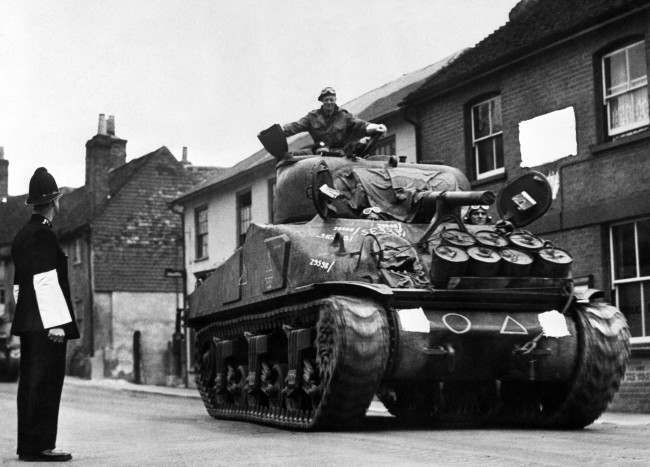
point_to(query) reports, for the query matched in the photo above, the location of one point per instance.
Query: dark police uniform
(42, 293)
(335, 130)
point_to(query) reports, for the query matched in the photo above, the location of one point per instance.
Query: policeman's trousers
(42, 368)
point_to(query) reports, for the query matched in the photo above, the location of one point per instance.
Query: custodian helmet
(42, 188)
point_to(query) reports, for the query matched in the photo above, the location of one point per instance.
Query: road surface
(109, 426)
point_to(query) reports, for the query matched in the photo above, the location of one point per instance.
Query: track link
(351, 353)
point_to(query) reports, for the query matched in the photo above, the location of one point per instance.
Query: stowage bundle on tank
(385, 278)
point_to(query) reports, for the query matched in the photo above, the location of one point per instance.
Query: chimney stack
(184, 160)
(4, 175)
(104, 152)
(101, 126)
(110, 125)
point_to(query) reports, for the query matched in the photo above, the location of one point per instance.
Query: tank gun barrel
(461, 198)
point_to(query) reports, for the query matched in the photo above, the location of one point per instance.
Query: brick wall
(633, 395)
(103, 152)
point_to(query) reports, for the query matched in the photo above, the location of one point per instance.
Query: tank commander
(477, 215)
(331, 126)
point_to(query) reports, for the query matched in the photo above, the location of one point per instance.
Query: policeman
(44, 320)
(330, 125)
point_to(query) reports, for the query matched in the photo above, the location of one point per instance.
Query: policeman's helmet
(42, 188)
(327, 91)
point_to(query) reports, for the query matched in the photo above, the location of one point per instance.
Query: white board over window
(548, 137)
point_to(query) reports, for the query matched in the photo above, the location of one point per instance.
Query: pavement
(376, 407)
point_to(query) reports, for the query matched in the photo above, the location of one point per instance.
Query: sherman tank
(370, 283)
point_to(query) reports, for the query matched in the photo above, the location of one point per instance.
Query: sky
(208, 75)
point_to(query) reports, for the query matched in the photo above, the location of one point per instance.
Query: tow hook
(446, 351)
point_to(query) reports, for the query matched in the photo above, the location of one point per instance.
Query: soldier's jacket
(335, 131)
(41, 287)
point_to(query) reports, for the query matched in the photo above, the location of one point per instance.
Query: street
(111, 426)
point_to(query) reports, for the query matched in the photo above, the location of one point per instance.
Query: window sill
(609, 145)
(491, 179)
(640, 349)
(202, 259)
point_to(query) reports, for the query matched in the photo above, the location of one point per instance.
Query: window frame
(386, 141)
(198, 236)
(606, 99)
(645, 338)
(241, 235)
(493, 136)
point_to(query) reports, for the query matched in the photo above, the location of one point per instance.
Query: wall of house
(79, 351)
(404, 136)
(124, 313)
(222, 222)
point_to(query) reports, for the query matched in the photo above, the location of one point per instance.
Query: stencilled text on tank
(393, 228)
(320, 263)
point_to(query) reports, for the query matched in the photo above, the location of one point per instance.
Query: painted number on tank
(322, 264)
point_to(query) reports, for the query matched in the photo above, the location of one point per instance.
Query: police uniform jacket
(41, 287)
(334, 130)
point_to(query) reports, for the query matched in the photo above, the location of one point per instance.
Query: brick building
(562, 87)
(120, 237)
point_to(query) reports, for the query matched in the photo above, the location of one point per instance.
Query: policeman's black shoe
(49, 455)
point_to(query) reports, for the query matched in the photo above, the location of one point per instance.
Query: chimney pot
(185, 154)
(2, 152)
(101, 126)
(110, 125)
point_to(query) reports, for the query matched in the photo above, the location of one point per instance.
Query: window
(625, 89)
(201, 228)
(385, 146)
(3, 297)
(243, 215)
(630, 250)
(487, 137)
(271, 184)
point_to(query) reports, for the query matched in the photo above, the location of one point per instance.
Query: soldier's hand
(56, 334)
(376, 128)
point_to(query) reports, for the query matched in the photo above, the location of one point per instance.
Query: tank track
(603, 355)
(603, 340)
(350, 353)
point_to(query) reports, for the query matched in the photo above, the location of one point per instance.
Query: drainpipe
(418, 131)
